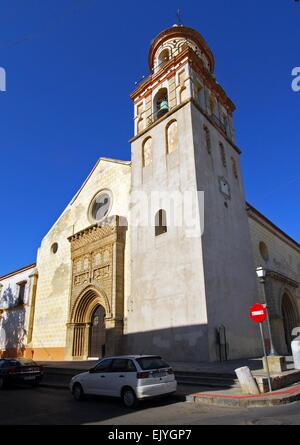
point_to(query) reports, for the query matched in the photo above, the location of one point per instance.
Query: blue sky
(71, 65)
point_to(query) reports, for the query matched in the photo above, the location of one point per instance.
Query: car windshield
(154, 362)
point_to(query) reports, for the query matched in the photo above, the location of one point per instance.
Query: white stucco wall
(230, 280)
(14, 320)
(53, 291)
(168, 313)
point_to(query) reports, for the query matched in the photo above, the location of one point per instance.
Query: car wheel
(129, 398)
(1, 382)
(35, 384)
(78, 392)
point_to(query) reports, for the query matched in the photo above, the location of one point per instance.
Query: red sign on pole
(258, 313)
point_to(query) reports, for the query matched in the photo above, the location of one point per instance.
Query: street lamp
(261, 274)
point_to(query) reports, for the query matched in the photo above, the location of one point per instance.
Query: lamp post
(261, 274)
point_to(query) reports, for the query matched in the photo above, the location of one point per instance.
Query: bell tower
(185, 288)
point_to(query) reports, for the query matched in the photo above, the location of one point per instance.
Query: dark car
(20, 370)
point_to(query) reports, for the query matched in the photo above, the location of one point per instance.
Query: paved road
(40, 406)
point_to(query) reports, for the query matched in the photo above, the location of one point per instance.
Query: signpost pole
(265, 355)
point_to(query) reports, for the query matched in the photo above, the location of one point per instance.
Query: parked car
(19, 370)
(133, 378)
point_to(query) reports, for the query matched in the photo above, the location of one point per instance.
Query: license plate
(29, 378)
(156, 374)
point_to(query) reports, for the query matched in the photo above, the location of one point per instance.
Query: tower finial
(179, 17)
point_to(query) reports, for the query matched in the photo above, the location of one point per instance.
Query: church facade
(117, 274)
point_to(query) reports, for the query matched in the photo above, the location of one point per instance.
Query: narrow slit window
(234, 168)
(207, 138)
(223, 155)
(160, 222)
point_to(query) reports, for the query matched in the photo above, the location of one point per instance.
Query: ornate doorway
(290, 319)
(97, 333)
(96, 311)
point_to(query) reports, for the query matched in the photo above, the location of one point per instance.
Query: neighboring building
(17, 299)
(110, 283)
(280, 255)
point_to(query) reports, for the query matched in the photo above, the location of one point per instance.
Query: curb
(282, 397)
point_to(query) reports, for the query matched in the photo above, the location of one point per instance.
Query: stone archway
(289, 317)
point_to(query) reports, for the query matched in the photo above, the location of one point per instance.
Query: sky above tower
(70, 67)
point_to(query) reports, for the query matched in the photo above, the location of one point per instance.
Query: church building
(116, 275)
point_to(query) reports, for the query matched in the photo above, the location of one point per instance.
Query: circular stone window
(263, 250)
(100, 206)
(54, 248)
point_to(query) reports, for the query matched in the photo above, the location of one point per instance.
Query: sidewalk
(234, 398)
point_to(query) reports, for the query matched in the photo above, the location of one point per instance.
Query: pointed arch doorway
(88, 328)
(290, 319)
(97, 334)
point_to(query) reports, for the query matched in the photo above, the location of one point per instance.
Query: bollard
(247, 382)
(295, 345)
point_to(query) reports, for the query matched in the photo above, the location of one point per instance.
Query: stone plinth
(276, 364)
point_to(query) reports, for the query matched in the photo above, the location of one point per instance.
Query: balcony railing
(157, 115)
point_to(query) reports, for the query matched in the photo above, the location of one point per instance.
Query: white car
(131, 377)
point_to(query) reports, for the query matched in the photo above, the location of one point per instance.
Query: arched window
(160, 222)
(200, 96)
(225, 123)
(140, 125)
(211, 104)
(234, 168)
(160, 104)
(207, 138)
(147, 152)
(140, 120)
(223, 154)
(163, 57)
(182, 90)
(172, 136)
(263, 250)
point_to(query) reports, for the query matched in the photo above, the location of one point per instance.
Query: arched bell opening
(161, 103)
(163, 57)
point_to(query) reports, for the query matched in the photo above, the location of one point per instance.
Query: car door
(122, 371)
(98, 378)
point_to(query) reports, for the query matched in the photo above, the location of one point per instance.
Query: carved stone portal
(97, 280)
